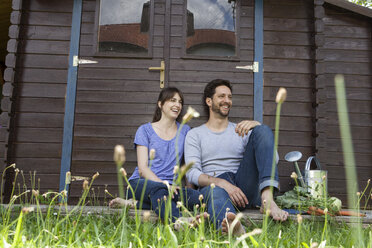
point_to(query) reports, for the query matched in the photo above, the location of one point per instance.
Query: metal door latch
(253, 67)
(161, 69)
(76, 61)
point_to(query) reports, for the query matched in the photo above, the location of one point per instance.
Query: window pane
(211, 27)
(124, 26)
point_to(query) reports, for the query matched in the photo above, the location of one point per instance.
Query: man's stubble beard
(216, 109)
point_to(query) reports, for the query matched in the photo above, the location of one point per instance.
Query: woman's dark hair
(210, 90)
(165, 95)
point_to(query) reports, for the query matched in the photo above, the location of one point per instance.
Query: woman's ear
(159, 104)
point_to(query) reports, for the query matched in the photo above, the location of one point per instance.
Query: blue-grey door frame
(258, 57)
(68, 125)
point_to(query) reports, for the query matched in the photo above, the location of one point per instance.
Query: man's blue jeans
(155, 190)
(253, 175)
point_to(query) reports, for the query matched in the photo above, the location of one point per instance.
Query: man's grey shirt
(214, 153)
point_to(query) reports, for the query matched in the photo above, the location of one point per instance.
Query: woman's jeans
(253, 175)
(154, 197)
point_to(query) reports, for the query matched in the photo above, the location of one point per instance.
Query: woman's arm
(143, 168)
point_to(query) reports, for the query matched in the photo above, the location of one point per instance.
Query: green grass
(118, 230)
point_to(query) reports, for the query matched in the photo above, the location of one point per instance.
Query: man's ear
(208, 101)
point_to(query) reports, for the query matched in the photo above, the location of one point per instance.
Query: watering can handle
(308, 163)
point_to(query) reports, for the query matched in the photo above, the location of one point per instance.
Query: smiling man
(232, 160)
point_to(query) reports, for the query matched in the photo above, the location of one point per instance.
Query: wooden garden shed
(61, 113)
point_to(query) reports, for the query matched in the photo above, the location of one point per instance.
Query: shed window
(124, 26)
(211, 27)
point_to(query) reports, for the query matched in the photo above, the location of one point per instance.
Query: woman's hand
(174, 190)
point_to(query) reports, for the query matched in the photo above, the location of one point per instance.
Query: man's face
(221, 101)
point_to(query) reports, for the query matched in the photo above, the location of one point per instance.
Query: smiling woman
(211, 27)
(124, 26)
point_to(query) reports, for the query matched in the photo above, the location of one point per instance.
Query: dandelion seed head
(123, 172)
(179, 204)
(166, 183)
(146, 215)
(85, 185)
(212, 185)
(35, 193)
(152, 154)
(119, 155)
(299, 218)
(358, 193)
(191, 113)
(201, 197)
(95, 175)
(16, 170)
(175, 169)
(281, 95)
(314, 245)
(187, 167)
(27, 210)
(294, 176)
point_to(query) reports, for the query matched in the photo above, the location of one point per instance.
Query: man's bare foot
(120, 202)
(227, 223)
(268, 204)
(190, 221)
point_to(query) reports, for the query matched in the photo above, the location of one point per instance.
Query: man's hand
(236, 194)
(243, 127)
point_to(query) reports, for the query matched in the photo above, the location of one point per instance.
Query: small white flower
(191, 113)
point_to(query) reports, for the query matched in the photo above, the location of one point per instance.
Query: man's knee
(262, 132)
(216, 193)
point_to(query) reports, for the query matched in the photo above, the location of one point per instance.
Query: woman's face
(172, 107)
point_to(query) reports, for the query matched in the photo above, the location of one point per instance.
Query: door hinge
(76, 61)
(254, 67)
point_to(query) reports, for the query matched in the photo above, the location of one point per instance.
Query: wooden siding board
(347, 44)
(288, 38)
(47, 19)
(277, 24)
(287, 65)
(288, 52)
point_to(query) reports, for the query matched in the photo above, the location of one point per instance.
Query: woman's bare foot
(190, 221)
(227, 223)
(120, 202)
(268, 204)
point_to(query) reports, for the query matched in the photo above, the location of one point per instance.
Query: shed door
(198, 41)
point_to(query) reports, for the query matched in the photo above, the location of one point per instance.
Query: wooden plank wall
(40, 78)
(288, 62)
(114, 97)
(5, 10)
(347, 49)
(9, 88)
